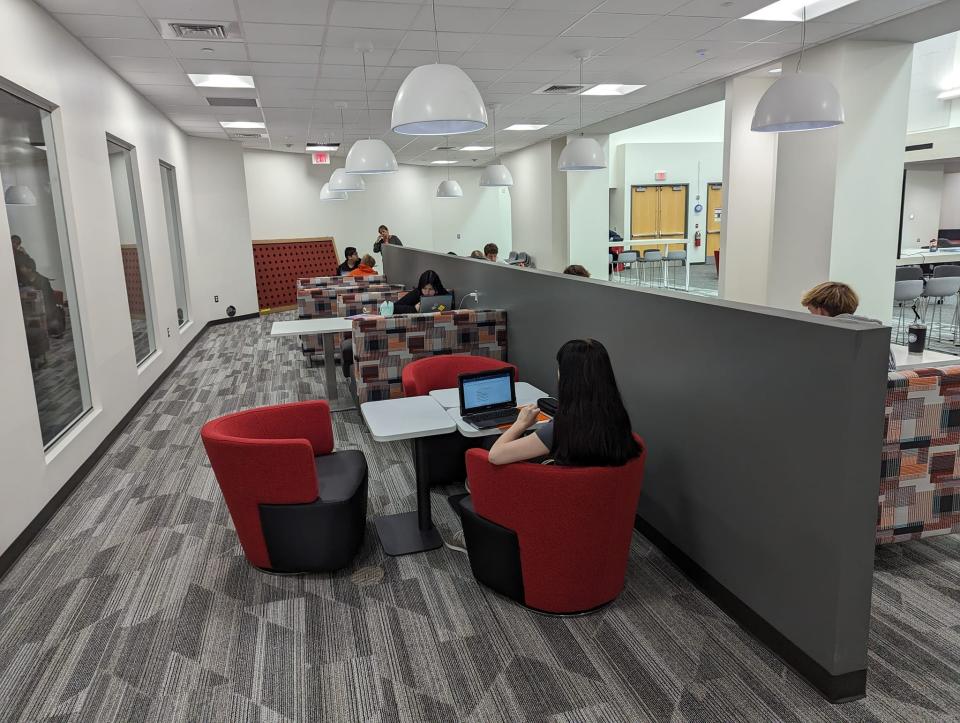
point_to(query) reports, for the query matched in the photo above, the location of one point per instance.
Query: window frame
(178, 240)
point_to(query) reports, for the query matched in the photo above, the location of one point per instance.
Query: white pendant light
(19, 196)
(327, 195)
(372, 155)
(582, 154)
(438, 100)
(798, 102)
(496, 175)
(343, 181)
(449, 189)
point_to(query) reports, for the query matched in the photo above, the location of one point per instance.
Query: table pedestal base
(401, 534)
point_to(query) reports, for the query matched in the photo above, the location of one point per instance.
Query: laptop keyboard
(493, 418)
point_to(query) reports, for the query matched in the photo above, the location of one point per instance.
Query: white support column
(588, 216)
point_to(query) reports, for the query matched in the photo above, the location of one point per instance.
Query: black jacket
(346, 269)
(408, 302)
(379, 242)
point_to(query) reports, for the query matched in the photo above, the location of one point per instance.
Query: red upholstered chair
(555, 539)
(440, 372)
(298, 506)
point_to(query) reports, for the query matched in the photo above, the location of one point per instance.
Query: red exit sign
(660, 176)
(321, 158)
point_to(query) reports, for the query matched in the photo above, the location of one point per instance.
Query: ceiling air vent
(557, 89)
(232, 102)
(199, 30)
(444, 148)
(246, 136)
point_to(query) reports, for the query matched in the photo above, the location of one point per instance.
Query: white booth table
(928, 358)
(325, 328)
(913, 257)
(663, 244)
(526, 394)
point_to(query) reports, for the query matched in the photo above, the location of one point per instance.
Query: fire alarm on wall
(660, 176)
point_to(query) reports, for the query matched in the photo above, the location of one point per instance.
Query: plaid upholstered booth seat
(920, 469)
(322, 303)
(318, 281)
(383, 346)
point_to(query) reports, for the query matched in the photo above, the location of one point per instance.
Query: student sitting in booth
(577, 270)
(352, 260)
(591, 428)
(428, 285)
(365, 267)
(476, 254)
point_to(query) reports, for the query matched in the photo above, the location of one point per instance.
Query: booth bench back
(383, 346)
(920, 468)
(320, 281)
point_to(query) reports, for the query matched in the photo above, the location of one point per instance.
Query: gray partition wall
(763, 430)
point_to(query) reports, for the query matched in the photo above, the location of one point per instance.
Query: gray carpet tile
(135, 604)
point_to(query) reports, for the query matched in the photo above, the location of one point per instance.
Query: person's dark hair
(490, 249)
(592, 427)
(577, 270)
(381, 227)
(431, 277)
(16, 238)
(476, 254)
(451, 253)
(349, 251)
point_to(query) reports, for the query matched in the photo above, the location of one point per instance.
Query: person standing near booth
(385, 237)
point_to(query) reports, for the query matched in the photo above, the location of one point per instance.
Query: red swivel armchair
(298, 506)
(440, 372)
(555, 539)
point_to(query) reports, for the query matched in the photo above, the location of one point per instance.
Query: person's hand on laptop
(527, 417)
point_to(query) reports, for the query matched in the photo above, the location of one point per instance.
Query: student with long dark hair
(428, 285)
(591, 428)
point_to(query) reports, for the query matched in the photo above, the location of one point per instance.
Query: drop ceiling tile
(139, 78)
(235, 67)
(634, 48)
(534, 22)
(554, 61)
(286, 99)
(874, 10)
(300, 70)
(522, 44)
(144, 65)
(309, 12)
(190, 9)
(172, 95)
(720, 8)
(141, 48)
(413, 58)
(463, 19)
(227, 92)
(348, 37)
(282, 33)
(107, 26)
(483, 75)
(746, 30)
(195, 49)
(339, 84)
(330, 70)
(675, 27)
(283, 116)
(570, 44)
(349, 56)
(817, 32)
(767, 51)
(94, 7)
(270, 53)
(567, 6)
(277, 83)
(611, 25)
(425, 40)
(490, 60)
(354, 14)
(641, 7)
(391, 85)
(521, 75)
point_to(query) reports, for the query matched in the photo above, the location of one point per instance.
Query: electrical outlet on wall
(168, 331)
(216, 299)
(458, 236)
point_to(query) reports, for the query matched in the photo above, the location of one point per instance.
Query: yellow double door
(658, 212)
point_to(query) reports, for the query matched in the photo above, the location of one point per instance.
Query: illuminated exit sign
(321, 158)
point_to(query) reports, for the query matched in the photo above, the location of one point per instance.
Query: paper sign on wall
(321, 158)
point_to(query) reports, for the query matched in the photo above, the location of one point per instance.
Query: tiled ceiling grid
(302, 56)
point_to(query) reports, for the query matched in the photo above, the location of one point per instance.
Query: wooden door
(643, 212)
(673, 214)
(714, 219)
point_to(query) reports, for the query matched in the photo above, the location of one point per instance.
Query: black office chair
(909, 273)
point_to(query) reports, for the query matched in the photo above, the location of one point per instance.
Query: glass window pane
(135, 269)
(41, 256)
(171, 207)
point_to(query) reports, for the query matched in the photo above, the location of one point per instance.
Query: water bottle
(386, 308)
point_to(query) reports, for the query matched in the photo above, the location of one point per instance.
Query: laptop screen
(482, 391)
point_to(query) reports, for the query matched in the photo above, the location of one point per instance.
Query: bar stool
(910, 273)
(675, 260)
(938, 289)
(655, 258)
(610, 264)
(903, 292)
(628, 259)
(949, 271)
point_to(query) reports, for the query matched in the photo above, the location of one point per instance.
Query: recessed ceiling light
(215, 80)
(476, 148)
(525, 127)
(242, 124)
(775, 71)
(950, 94)
(442, 163)
(322, 147)
(792, 11)
(611, 89)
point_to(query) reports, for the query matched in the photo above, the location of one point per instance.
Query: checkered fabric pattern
(383, 346)
(319, 281)
(366, 302)
(321, 303)
(920, 470)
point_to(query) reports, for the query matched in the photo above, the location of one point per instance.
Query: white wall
(950, 201)
(936, 67)
(283, 191)
(39, 55)
(588, 217)
(36, 224)
(921, 206)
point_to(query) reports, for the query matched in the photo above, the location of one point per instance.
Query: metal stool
(628, 259)
(903, 292)
(655, 258)
(675, 261)
(938, 289)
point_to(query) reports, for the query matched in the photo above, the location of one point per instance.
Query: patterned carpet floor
(135, 604)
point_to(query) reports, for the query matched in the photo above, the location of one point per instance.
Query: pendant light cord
(580, 96)
(342, 134)
(366, 91)
(436, 31)
(803, 35)
(493, 112)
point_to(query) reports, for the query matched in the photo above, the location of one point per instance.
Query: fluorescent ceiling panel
(611, 89)
(950, 94)
(792, 10)
(476, 148)
(322, 147)
(525, 127)
(242, 124)
(215, 80)
(442, 163)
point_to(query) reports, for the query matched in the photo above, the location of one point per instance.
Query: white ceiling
(301, 55)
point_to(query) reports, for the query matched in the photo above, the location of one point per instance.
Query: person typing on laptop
(591, 428)
(428, 285)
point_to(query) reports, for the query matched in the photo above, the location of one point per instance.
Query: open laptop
(429, 304)
(488, 399)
